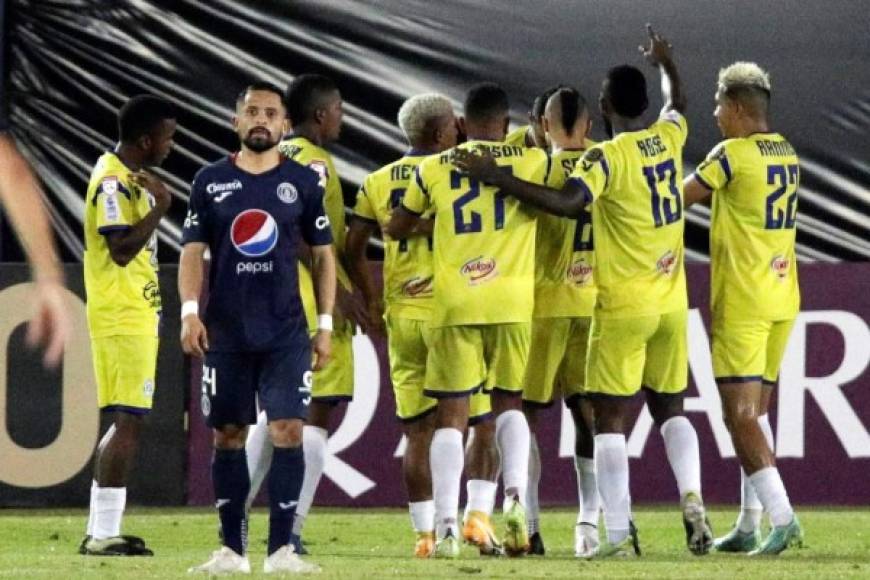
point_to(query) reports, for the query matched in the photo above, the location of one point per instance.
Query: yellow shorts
(406, 340)
(749, 350)
(334, 383)
(125, 367)
(557, 360)
(464, 359)
(648, 351)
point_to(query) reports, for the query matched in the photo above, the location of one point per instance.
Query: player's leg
(481, 471)
(332, 386)
(506, 352)
(454, 372)
(125, 366)
(665, 380)
(228, 403)
(614, 371)
(258, 448)
(417, 476)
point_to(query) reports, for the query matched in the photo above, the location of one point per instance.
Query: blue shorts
(230, 381)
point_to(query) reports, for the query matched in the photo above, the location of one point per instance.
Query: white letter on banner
(825, 390)
(367, 382)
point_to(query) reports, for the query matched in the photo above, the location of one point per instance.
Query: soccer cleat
(585, 540)
(780, 538)
(536, 545)
(447, 547)
(479, 532)
(425, 545)
(699, 536)
(629, 547)
(737, 541)
(298, 546)
(223, 561)
(516, 536)
(117, 546)
(285, 560)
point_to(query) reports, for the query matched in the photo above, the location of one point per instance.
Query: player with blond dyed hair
(754, 174)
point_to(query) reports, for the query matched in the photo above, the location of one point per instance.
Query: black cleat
(298, 546)
(536, 545)
(635, 542)
(118, 546)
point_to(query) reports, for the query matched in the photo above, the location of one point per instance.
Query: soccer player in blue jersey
(253, 211)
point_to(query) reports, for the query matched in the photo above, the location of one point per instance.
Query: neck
(749, 126)
(562, 142)
(255, 163)
(129, 156)
(485, 136)
(626, 125)
(310, 132)
(426, 148)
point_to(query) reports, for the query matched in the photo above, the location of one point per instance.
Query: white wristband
(324, 322)
(189, 307)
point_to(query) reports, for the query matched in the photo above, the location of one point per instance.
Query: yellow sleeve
(673, 125)
(416, 198)
(556, 175)
(591, 174)
(113, 200)
(364, 208)
(715, 171)
(542, 166)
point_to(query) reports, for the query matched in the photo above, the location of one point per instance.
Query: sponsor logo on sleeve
(109, 188)
(287, 192)
(479, 270)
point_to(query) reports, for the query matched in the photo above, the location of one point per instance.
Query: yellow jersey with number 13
(484, 241)
(121, 300)
(635, 183)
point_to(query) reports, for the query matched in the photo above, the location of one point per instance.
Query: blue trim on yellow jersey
(575, 399)
(109, 229)
(587, 193)
(410, 211)
(700, 180)
(745, 379)
(125, 409)
(680, 127)
(766, 383)
(417, 153)
(419, 417)
(538, 404)
(726, 167)
(606, 168)
(451, 394)
(419, 181)
(477, 420)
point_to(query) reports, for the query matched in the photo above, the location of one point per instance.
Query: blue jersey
(252, 225)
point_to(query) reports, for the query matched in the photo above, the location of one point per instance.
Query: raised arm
(125, 244)
(658, 54)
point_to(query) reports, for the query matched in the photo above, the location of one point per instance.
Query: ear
(460, 122)
(588, 127)
(545, 124)
(319, 115)
(145, 142)
(285, 127)
(507, 125)
(236, 122)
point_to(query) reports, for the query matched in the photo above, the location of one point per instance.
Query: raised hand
(659, 50)
(152, 183)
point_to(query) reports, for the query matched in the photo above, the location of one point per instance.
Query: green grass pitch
(376, 544)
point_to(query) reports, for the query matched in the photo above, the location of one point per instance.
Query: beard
(259, 141)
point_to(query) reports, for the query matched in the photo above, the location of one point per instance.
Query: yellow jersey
(484, 241)
(635, 183)
(564, 261)
(407, 263)
(752, 238)
(304, 152)
(121, 300)
(518, 136)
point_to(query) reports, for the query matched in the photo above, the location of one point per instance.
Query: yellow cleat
(425, 545)
(479, 532)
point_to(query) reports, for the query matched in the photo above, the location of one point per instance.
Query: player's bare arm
(694, 191)
(323, 271)
(567, 202)
(125, 244)
(194, 338)
(402, 224)
(658, 54)
(358, 235)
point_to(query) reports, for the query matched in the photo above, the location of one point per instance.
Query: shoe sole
(485, 542)
(699, 536)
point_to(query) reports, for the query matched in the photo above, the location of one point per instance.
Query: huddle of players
(465, 308)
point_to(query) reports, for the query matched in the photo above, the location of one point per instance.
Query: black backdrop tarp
(73, 63)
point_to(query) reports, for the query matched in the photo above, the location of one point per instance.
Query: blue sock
(285, 483)
(229, 473)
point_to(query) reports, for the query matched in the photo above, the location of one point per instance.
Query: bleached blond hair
(744, 75)
(418, 112)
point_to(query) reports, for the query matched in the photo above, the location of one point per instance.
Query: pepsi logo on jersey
(254, 234)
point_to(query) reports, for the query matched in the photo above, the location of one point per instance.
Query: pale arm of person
(658, 54)
(194, 338)
(323, 273)
(50, 324)
(355, 245)
(694, 192)
(125, 244)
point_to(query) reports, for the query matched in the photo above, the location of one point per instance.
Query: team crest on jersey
(254, 233)
(287, 192)
(666, 263)
(780, 266)
(479, 270)
(417, 287)
(580, 273)
(205, 405)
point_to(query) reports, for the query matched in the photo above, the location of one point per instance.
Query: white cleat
(585, 540)
(286, 561)
(223, 561)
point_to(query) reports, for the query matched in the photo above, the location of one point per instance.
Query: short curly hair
(418, 112)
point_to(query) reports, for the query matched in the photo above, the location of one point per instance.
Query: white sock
(533, 506)
(611, 466)
(750, 506)
(90, 529)
(108, 509)
(422, 515)
(512, 436)
(446, 460)
(681, 443)
(481, 496)
(587, 490)
(771, 491)
(258, 449)
(314, 448)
